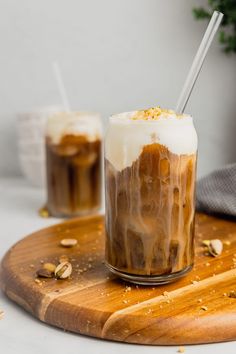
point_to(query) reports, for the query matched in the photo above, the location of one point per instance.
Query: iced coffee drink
(73, 154)
(150, 165)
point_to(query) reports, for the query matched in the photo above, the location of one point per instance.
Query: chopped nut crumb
(194, 282)
(204, 308)
(63, 258)
(37, 281)
(43, 212)
(181, 350)
(128, 288)
(154, 114)
(166, 293)
(199, 300)
(227, 243)
(1, 314)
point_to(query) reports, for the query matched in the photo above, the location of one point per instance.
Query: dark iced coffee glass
(150, 165)
(73, 155)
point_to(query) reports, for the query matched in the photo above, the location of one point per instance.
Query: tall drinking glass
(150, 164)
(73, 154)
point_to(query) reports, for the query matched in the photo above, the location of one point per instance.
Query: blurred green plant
(227, 35)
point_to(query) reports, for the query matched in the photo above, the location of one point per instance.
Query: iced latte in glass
(73, 154)
(150, 166)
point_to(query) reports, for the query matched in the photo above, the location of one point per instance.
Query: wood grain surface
(195, 309)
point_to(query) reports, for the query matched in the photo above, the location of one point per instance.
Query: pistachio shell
(215, 247)
(44, 273)
(68, 242)
(63, 270)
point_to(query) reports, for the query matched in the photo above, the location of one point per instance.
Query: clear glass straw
(61, 86)
(198, 61)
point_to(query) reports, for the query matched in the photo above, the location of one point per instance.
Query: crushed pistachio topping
(155, 113)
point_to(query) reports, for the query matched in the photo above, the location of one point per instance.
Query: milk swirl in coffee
(73, 150)
(150, 164)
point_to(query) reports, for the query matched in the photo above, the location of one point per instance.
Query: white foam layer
(73, 123)
(126, 137)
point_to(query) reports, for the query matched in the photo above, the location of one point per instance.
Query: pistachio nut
(63, 270)
(232, 294)
(68, 242)
(49, 266)
(215, 247)
(206, 242)
(44, 273)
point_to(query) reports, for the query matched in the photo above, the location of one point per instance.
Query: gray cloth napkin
(216, 193)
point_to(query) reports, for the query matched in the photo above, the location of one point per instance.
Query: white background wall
(115, 55)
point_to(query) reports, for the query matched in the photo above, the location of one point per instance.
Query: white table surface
(20, 333)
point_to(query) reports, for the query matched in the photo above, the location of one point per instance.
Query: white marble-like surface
(20, 333)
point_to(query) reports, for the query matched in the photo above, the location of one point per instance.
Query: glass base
(67, 215)
(149, 279)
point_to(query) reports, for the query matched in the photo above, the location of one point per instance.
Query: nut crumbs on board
(181, 350)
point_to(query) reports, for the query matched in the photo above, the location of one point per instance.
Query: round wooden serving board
(196, 309)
